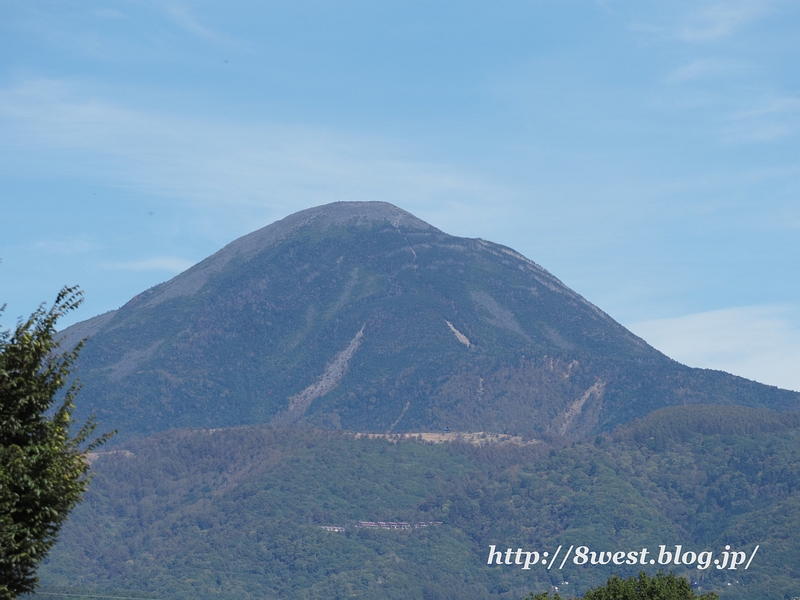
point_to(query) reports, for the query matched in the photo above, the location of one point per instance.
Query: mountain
(362, 317)
(293, 351)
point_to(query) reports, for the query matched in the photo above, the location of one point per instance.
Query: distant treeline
(681, 423)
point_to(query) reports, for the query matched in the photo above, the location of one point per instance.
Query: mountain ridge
(244, 246)
(354, 315)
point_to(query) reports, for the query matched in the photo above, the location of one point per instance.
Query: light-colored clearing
(577, 406)
(459, 336)
(479, 438)
(334, 372)
(93, 456)
(402, 414)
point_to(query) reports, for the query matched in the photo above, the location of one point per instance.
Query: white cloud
(60, 128)
(109, 13)
(772, 119)
(183, 17)
(73, 246)
(722, 19)
(160, 263)
(756, 342)
(706, 68)
(703, 21)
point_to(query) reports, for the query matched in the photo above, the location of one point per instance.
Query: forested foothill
(238, 513)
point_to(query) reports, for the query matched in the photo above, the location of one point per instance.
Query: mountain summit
(363, 317)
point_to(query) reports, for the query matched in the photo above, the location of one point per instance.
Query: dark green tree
(643, 587)
(43, 468)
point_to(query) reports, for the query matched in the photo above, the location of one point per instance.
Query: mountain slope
(361, 316)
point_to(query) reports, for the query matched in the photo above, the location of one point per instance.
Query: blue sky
(646, 153)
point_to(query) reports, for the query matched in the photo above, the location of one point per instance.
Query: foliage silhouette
(43, 469)
(642, 587)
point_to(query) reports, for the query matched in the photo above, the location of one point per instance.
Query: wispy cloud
(160, 263)
(706, 68)
(67, 247)
(77, 134)
(756, 342)
(704, 21)
(109, 13)
(722, 19)
(770, 120)
(183, 17)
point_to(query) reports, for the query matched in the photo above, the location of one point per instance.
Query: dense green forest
(238, 513)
